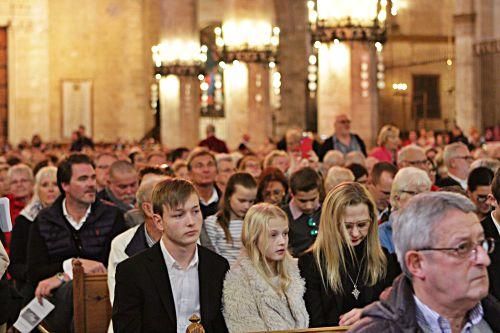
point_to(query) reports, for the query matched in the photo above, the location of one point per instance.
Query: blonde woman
(346, 268)
(263, 291)
(388, 142)
(45, 193)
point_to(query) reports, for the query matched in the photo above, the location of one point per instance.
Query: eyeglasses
(313, 225)
(467, 249)
(345, 122)
(467, 158)
(410, 192)
(422, 163)
(361, 225)
(482, 197)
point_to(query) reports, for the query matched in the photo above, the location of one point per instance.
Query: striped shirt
(430, 321)
(229, 250)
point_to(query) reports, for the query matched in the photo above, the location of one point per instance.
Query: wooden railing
(335, 329)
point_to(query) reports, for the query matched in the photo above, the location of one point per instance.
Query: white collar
(495, 222)
(70, 218)
(462, 182)
(213, 198)
(172, 263)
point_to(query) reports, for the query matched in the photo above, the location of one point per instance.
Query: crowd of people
(299, 234)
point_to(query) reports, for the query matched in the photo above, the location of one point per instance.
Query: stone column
(179, 96)
(467, 114)
(291, 17)
(340, 87)
(246, 85)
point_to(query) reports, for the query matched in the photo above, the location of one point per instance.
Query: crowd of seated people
(301, 234)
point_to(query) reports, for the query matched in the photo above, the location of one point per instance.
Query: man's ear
(492, 201)
(158, 221)
(415, 262)
(147, 208)
(65, 187)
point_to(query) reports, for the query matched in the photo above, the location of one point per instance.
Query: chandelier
(247, 41)
(179, 58)
(346, 20)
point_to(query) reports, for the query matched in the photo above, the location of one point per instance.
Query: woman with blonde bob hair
(263, 290)
(346, 268)
(388, 142)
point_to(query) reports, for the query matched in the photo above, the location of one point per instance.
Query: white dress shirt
(185, 286)
(462, 182)
(495, 222)
(77, 225)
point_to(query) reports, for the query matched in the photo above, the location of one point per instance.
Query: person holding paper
(74, 226)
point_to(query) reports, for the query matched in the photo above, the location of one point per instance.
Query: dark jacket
(214, 144)
(107, 196)
(138, 243)
(53, 240)
(143, 294)
(328, 145)
(324, 305)
(398, 313)
(490, 230)
(212, 208)
(300, 238)
(18, 248)
(448, 181)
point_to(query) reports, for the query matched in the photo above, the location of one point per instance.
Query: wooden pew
(91, 304)
(335, 329)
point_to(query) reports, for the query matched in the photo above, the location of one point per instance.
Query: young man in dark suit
(491, 226)
(160, 288)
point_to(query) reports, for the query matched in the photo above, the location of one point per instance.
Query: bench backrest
(91, 304)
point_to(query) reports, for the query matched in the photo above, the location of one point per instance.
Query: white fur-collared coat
(251, 304)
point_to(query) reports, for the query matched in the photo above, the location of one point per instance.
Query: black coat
(18, 247)
(490, 230)
(324, 306)
(328, 145)
(52, 239)
(448, 181)
(143, 295)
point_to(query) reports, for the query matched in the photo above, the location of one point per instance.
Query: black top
(300, 236)
(448, 181)
(143, 295)
(18, 249)
(490, 230)
(211, 209)
(323, 305)
(52, 238)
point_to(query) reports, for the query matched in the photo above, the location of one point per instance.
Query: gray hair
(145, 190)
(332, 158)
(121, 167)
(451, 151)
(486, 162)
(405, 151)
(414, 226)
(223, 157)
(355, 156)
(20, 168)
(405, 177)
(337, 175)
